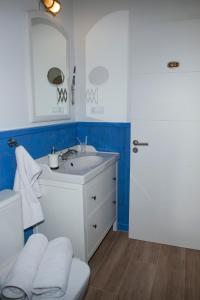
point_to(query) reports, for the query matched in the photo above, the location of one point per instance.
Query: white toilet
(12, 241)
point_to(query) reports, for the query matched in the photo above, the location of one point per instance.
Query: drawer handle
(114, 202)
(95, 226)
(114, 178)
(94, 197)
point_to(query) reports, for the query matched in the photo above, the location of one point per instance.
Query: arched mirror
(49, 51)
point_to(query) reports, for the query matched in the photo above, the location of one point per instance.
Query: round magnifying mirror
(55, 76)
(99, 75)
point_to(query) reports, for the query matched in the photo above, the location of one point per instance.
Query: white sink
(82, 163)
(80, 168)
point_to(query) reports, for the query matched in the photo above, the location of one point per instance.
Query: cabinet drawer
(99, 223)
(99, 188)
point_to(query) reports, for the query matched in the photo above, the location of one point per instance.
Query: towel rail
(12, 143)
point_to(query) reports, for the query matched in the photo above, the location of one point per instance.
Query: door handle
(136, 143)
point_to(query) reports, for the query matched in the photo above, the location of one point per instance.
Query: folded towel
(53, 273)
(19, 281)
(5, 269)
(26, 182)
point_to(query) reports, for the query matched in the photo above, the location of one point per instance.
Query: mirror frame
(29, 70)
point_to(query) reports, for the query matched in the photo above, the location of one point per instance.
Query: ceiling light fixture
(52, 6)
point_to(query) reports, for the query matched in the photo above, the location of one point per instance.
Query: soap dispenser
(53, 150)
(53, 159)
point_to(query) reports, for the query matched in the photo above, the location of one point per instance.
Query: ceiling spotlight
(52, 6)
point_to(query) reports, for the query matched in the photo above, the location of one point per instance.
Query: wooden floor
(124, 269)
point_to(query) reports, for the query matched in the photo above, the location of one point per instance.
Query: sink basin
(82, 163)
(80, 168)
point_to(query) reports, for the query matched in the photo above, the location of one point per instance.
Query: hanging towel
(19, 281)
(53, 273)
(26, 182)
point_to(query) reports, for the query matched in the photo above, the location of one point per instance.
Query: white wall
(13, 30)
(101, 40)
(106, 64)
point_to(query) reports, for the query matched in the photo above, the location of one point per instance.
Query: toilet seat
(78, 280)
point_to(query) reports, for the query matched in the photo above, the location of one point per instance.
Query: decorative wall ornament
(62, 95)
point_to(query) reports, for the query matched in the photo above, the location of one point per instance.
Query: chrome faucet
(65, 155)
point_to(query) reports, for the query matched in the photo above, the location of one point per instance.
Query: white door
(165, 175)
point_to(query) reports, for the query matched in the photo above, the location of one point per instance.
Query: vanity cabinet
(82, 212)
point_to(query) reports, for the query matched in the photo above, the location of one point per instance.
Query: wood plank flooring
(125, 269)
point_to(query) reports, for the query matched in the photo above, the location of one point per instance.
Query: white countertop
(76, 176)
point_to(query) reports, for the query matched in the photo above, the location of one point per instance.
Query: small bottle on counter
(53, 159)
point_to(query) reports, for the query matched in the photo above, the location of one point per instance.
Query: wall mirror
(49, 65)
(55, 76)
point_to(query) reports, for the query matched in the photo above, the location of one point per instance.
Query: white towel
(52, 277)
(26, 182)
(5, 269)
(19, 281)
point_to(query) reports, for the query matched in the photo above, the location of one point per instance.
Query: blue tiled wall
(113, 137)
(39, 141)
